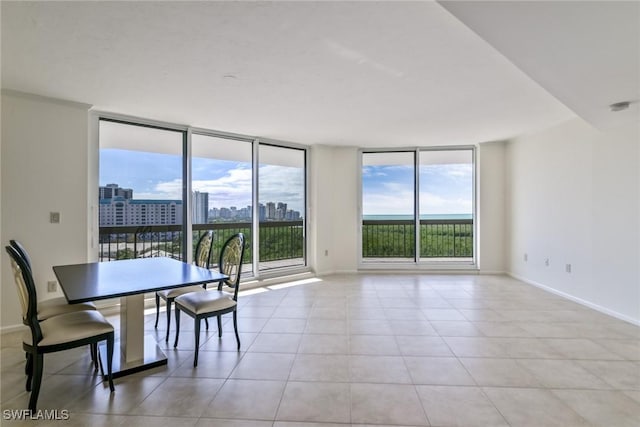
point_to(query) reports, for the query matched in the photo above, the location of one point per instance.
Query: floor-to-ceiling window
(281, 208)
(141, 203)
(418, 206)
(388, 206)
(446, 205)
(161, 187)
(222, 191)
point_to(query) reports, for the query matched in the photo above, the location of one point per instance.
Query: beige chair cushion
(56, 306)
(176, 292)
(206, 302)
(71, 327)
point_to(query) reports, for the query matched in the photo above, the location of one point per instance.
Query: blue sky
(387, 189)
(444, 189)
(159, 176)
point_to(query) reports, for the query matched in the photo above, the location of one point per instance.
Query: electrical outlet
(546, 262)
(52, 286)
(54, 217)
(567, 268)
(526, 257)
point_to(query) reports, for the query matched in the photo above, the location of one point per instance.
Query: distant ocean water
(426, 216)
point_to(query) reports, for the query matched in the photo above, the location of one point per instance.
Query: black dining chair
(201, 259)
(202, 305)
(52, 306)
(58, 333)
(55, 306)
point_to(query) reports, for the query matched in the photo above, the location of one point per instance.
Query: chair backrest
(26, 292)
(22, 251)
(230, 262)
(202, 257)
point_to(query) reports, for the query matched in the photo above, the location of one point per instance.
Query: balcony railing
(446, 238)
(284, 240)
(279, 240)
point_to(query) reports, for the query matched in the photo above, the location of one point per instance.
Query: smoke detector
(619, 106)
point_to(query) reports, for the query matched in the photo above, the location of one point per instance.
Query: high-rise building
(121, 211)
(271, 210)
(292, 215)
(117, 207)
(111, 191)
(200, 208)
(281, 211)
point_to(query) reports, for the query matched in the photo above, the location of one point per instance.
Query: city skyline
(118, 206)
(159, 176)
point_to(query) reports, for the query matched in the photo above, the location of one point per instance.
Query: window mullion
(416, 203)
(255, 224)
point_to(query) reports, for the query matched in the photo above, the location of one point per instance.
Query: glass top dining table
(129, 280)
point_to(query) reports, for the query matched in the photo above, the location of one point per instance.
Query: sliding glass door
(282, 206)
(160, 186)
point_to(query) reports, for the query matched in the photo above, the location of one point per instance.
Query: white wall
(319, 195)
(491, 207)
(573, 196)
(334, 207)
(44, 169)
(345, 219)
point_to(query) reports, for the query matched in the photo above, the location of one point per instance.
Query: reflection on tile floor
(367, 349)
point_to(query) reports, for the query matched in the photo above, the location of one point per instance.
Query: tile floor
(411, 350)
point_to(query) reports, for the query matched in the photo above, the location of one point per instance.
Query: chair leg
(94, 356)
(38, 368)
(157, 309)
(100, 362)
(235, 327)
(175, 344)
(110, 362)
(219, 326)
(197, 328)
(28, 370)
(168, 318)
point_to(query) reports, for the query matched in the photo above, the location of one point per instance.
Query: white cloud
(452, 171)
(170, 190)
(434, 204)
(396, 200)
(277, 184)
(232, 189)
(282, 184)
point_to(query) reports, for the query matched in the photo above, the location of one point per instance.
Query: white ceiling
(585, 53)
(340, 73)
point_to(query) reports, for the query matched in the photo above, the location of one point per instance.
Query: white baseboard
(345, 272)
(12, 328)
(580, 301)
(493, 272)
